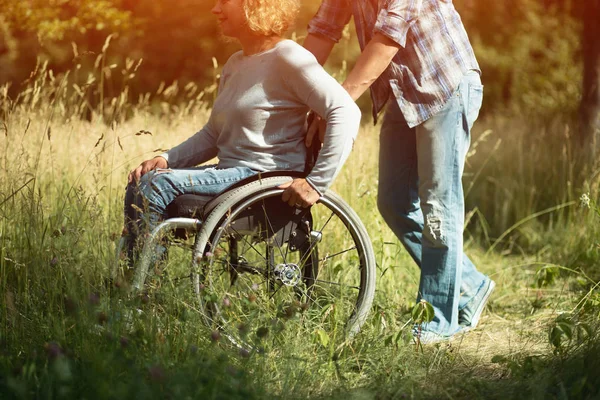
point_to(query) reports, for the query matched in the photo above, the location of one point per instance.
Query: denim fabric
(146, 202)
(421, 198)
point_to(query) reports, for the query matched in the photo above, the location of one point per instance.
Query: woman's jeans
(421, 198)
(146, 201)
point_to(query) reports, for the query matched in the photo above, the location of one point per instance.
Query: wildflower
(584, 200)
(156, 373)
(102, 318)
(94, 299)
(70, 306)
(204, 258)
(226, 302)
(245, 353)
(53, 350)
(243, 328)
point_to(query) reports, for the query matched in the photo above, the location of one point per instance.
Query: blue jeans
(421, 198)
(146, 202)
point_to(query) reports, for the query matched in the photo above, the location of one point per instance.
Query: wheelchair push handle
(313, 151)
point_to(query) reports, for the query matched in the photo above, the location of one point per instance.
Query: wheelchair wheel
(261, 266)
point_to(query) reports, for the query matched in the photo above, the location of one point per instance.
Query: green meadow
(89, 89)
(67, 331)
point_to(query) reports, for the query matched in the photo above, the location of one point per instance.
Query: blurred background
(531, 51)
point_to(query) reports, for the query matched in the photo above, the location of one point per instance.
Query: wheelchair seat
(188, 206)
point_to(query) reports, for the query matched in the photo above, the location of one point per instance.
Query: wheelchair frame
(227, 209)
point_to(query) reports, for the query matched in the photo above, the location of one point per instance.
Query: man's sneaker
(469, 316)
(427, 337)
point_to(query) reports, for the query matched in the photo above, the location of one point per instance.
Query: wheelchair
(257, 263)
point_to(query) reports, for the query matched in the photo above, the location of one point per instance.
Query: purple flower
(94, 299)
(53, 350)
(156, 373)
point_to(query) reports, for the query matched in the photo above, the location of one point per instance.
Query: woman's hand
(146, 166)
(299, 193)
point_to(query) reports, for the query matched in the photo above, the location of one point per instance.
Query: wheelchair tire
(261, 265)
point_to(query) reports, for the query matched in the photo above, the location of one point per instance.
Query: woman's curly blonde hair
(271, 17)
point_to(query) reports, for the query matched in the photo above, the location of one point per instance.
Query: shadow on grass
(575, 375)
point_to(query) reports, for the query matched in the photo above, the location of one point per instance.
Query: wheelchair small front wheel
(267, 266)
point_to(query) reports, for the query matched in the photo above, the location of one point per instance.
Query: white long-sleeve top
(259, 116)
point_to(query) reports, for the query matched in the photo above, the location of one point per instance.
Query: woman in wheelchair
(254, 256)
(258, 121)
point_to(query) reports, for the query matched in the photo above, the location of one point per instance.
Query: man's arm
(371, 63)
(319, 46)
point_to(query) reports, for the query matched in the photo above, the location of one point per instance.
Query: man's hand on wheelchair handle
(146, 166)
(316, 125)
(299, 193)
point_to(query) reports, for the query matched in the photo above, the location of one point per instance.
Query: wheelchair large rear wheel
(268, 269)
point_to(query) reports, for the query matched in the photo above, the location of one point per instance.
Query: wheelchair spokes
(260, 267)
(282, 279)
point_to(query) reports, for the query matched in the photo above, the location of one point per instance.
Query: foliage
(529, 53)
(57, 19)
(178, 40)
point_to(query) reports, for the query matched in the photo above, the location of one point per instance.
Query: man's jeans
(421, 198)
(147, 201)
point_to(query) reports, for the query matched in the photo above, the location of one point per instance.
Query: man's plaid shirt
(435, 51)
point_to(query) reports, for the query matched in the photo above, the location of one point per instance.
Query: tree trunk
(590, 101)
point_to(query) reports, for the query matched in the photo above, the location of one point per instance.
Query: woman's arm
(322, 93)
(198, 149)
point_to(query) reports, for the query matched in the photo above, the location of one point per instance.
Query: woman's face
(232, 19)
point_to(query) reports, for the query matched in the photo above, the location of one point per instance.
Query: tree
(32, 30)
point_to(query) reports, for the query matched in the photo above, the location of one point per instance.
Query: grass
(66, 333)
